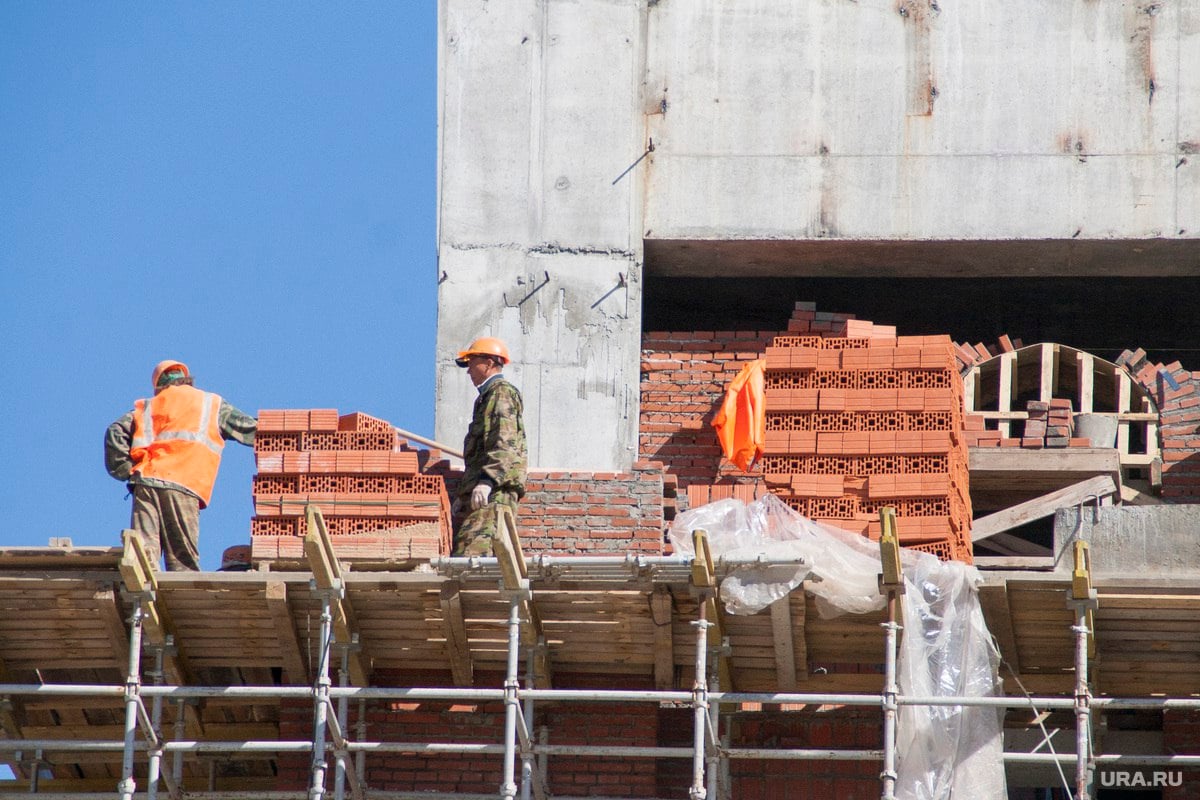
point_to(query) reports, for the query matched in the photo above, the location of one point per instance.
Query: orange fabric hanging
(741, 422)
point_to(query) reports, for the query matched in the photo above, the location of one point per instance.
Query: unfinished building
(962, 237)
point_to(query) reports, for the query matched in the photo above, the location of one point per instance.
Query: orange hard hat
(163, 366)
(484, 346)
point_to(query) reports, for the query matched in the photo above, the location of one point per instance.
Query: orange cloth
(741, 422)
(177, 438)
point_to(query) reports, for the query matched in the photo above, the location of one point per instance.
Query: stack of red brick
(1049, 424)
(864, 419)
(364, 477)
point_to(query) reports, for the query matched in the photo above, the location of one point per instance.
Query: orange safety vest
(177, 438)
(741, 422)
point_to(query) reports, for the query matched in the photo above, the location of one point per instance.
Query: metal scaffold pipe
(321, 705)
(133, 680)
(508, 788)
(700, 706)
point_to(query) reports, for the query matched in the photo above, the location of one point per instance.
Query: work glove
(480, 495)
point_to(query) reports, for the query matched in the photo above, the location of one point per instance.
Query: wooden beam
(1010, 545)
(704, 577)
(1007, 390)
(785, 648)
(661, 604)
(1043, 506)
(458, 647)
(511, 559)
(327, 574)
(1136, 497)
(1087, 382)
(290, 650)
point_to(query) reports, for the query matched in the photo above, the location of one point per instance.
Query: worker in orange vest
(168, 449)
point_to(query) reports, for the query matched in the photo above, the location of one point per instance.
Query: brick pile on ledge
(1176, 391)
(864, 419)
(1049, 425)
(365, 478)
(968, 355)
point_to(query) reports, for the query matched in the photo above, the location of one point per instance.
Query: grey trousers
(169, 522)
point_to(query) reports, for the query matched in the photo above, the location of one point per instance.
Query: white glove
(480, 495)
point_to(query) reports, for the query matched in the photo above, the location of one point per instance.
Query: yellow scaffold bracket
(1083, 592)
(704, 579)
(891, 576)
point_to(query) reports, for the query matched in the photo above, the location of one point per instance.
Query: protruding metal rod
(316, 789)
(700, 705)
(512, 707)
(133, 682)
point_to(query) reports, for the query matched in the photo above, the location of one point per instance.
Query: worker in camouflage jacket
(493, 451)
(167, 449)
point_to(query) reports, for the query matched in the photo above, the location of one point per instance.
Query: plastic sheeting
(945, 647)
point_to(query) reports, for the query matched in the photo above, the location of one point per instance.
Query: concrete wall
(1145, 541)
(539, 241)
(899, 119)
(789, 137)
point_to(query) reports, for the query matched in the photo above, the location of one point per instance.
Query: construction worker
(168, 449)
(493, 450)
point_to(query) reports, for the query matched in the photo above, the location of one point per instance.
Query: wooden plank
(1043, 506)
(110, 613)
(785, 653)
(971, 390)
(994, 601)
(458, 646)
(291, 653)
(1124, 390)
(661, 615)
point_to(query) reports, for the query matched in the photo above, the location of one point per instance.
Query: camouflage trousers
(168, 522)
(477, 531)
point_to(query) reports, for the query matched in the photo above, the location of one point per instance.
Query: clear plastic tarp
(945, 647)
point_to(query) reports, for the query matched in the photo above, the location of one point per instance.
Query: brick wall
(842, 729)
(684, 375)
(594, 512)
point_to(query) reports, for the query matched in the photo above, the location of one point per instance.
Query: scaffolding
(153, 658)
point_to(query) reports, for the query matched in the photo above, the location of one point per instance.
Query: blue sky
(248, 187)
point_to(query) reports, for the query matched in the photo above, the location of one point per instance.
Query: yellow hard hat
(169, 364)
(484, 346)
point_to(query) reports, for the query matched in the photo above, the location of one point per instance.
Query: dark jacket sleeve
(235, 425)
(117, 440)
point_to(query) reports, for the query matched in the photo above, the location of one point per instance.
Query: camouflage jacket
(494, 449)
(234, 425)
